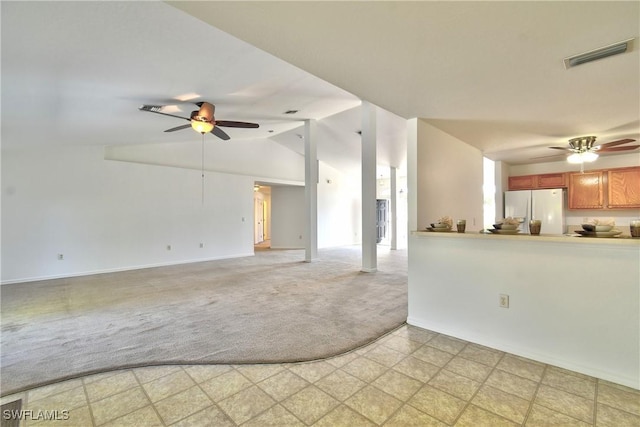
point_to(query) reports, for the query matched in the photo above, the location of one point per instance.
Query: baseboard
(119, 269)
(549, 359)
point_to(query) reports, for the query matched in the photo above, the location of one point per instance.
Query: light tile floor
(410, 377)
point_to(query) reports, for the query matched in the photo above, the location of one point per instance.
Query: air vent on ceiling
(603, 52)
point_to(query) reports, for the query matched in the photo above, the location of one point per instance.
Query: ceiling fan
(201, 120)
(583, 149)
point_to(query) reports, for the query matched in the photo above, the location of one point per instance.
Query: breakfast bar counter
(547, 238)
(573, 302)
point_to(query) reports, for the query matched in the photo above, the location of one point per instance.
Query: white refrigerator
(545, 205)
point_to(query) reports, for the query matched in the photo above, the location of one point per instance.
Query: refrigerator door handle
(529, 212)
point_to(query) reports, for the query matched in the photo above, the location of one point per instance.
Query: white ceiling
(490, 73)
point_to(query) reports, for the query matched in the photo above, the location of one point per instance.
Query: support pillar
(394, 208)
(369, 187)
(311, 190)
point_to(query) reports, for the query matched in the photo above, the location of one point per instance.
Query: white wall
(585, 318)
(108, 215)
(259, 158)
(449, 178)
(384, 192)
(287, 217)
(339, 211)
(339, 208)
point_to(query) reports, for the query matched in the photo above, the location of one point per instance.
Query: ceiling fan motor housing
(583, 143)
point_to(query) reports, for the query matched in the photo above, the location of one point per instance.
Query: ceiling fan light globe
(584, 157)
(201, 127)
(589, 156)
(574, 159)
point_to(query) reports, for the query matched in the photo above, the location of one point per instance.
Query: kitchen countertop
(547, 238)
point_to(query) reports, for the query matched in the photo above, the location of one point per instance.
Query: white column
(394, 208)
(412, 175)
(369, 247)
(311, 189)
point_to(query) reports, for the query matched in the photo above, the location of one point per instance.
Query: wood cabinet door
(586, 190)
(524, 182)
(623, 188)
(552, 180)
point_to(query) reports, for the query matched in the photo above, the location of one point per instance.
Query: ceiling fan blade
(156, 109)
(612, 149)
(206, 110)
(178, 128)
(562, 148)
(232, 124)
(614, 143)
(557, 156)
(220, 133)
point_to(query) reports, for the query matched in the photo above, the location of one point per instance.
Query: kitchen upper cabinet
(525, 182)
(623, 188)
(532, 182)
(551, 180)
(586, 190)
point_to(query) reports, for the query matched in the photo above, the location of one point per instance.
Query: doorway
(382, 219)
(262, 216)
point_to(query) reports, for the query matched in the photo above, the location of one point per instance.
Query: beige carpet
(269, 308)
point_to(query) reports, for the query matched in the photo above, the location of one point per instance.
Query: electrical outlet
(201, 245)
(60, 257)
(503, 301)
(168, 247)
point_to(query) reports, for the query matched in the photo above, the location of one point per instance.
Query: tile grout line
(213, 403)
(124, 391)
(440, 368)
(541, 383)
(86, 396)
(595, 403)
(149, 397)
(535, 395)
(484, 382)
(309, 384)
(253, 384)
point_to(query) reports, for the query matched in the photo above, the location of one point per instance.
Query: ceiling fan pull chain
(202, 168)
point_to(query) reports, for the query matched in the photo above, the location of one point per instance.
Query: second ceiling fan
(202, 120)
(586, 143)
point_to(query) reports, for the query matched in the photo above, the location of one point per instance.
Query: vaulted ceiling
(489, 73)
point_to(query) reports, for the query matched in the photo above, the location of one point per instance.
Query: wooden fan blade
(613, 149)
(178, 128)
(220, 133)
(155, 109)
(614, 143)
(232, 124)
(562, 148)
(206, 110)
(549, 157)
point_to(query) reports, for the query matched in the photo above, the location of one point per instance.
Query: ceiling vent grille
(603, 52)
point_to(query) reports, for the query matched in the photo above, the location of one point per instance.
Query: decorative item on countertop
(599, 228)
(507, 223)
(634, 227)
(599, 224)
(443, 224)
(461, 224)
(534, 227)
